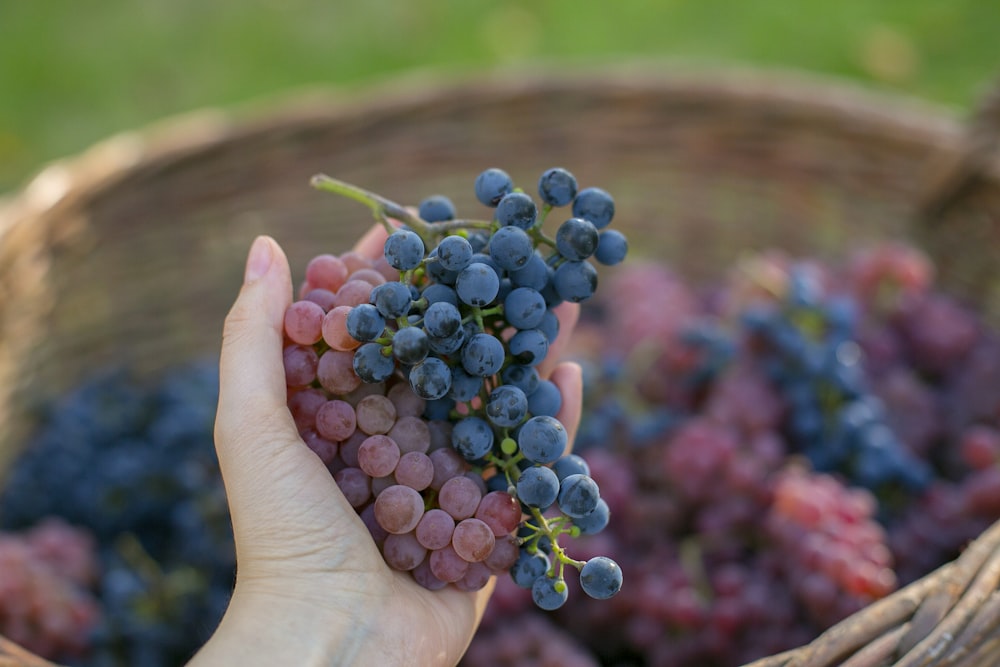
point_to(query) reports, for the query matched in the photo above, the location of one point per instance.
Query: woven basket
(133, 251)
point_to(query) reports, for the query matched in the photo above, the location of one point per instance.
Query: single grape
(524, 308)
(435, 528)
(549, 593)
(398, 509)
(436, 292)
(410, 346)
(594, 521)
(500, 511)
(523, 377)
(431, 378)
(326, 272)
(535, 273)
(303, 322)
(601, 578)
(477, 284)
(436, 208)
(516, 209)
(473, 540)
(442, 319)
(378, 456)
(464, 387)
(557, 187)
(483, 355)
(576, 239)
(392, 299)
(370, 364)
(612, 247)
(404, 250)
(575, 281)
(454, 253)
(528, 567)
(472, 437)
(459, 497)
(529, 347)
(447, 564)
(375, 414)
(402, 551)
(542, 439)
(538, 487)
(578, 495)
(365, 323)
(491, 185)
(594, 205)
(511, 248)
(506, 406)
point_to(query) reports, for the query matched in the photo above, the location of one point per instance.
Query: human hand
(311, 586)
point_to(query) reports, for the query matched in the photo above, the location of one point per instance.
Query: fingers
(252, 393)
(372, 244)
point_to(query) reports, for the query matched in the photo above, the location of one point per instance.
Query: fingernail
(259, 260)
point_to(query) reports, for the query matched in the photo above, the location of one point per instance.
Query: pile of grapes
(414, 376)
(777, 450)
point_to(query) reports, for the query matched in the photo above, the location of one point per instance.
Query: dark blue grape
(576, 239)
(430, 379)
(595, 521)
(436, 292)
(524, 308)
(472, 437)
(575, 281)
(454, 253)
(529, 347)
(436, 208)
(549, 326)
(601, 578)
(442, 319)
(578, 495)
(545, 400)
(439, 410)
(557, 187)
(518, 210)
(410, 345)
(595, 205)
(404, 250)
(371, 364)
(549, 594)
(511, 248)
(477, 285)
(437, 271)
(571, 464)
(542, 439)
(523, 377)
(506, 406)
(534, 274)
(392, 299)
(448, 344)
(464, 387)
(482, 355)
(612, 247)
(528, 567)
(537, 487)
(365, 323)
(491, 185)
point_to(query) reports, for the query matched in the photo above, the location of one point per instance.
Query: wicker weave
(133, 251)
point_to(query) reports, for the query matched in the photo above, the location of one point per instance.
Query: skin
(311, 586)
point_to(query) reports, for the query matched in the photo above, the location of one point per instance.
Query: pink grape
(354, 293)
(435, 529)
(370, 276)
(422, 575)
(349, 449)
(304, 322)
(335, 329)
(300, 365)
(500, 511)
(376, 414)
(447, 565)
(355, 261)
(407, 403)
(415, 470)
(326, 272)
(411, 434)
(398, 509)
(402, 551)
(323, 298)
(355, 485)
(459, 497)
(335, 372)
(504, 554)
(473, 540)
(303, 405)
(325, 449)
(476, 577)
(335, 420)
(378, 455)
(447, 464)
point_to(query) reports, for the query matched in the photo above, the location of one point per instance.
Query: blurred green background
(72, 73)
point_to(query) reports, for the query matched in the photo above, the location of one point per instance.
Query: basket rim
(60, 183)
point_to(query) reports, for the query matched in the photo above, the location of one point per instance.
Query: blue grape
(436, 270)
(472, 437)
(524, 308)
(578, 495)
(392, 299)
(477, 285)
(371, 364)
(404, 250)
(542, 439)
(595, 205)
(523, 377)
(485, 258)
(545, 400)
(534, 274)
(612, 247)
(506, 406)
(410, 345)
(464, 387)
(576, 239)
(594, 521)
(549, 325)
(537, 487)
(557, 187)
(436, 208)
(442, 319)
(528, 567)
(365, 323)
(447, 344)
(491, 185)
(482, 355)
(511, 248)
(575, 281)
(571, 464)
(436, 292)
(517, 209)
(454, 253)
(529, 346)
(430, 379)
(549, 594)
(601, 578)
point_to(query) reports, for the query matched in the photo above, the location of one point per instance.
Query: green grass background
(73, 72)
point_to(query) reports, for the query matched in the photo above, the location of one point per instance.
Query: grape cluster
(414, 377)
(745, 529)
(46, 575)
(133, 464)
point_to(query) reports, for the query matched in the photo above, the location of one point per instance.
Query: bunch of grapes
(46, 576)
(414, 377)
(132, 464)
